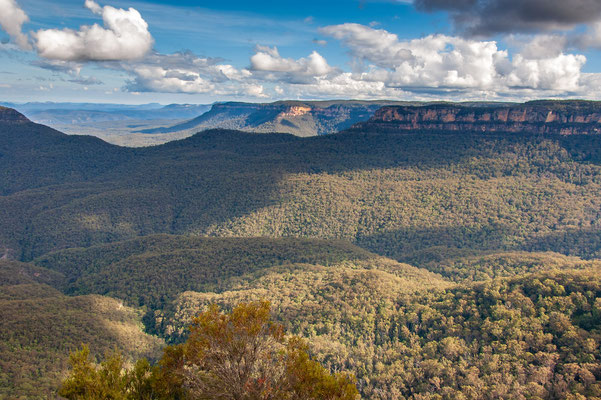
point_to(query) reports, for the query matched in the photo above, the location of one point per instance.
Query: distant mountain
(299, 118)
(82, 113)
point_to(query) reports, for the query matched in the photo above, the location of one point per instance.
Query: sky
(185, 51)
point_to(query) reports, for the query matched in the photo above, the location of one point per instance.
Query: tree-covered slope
(40, 325)
(395, 194)
(530, 336)
(33, 155)
(151, 271)
(482, 267)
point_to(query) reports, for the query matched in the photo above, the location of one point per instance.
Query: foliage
(40, 326)
(152, 270)
(529, 336)
(240, 355)
(467, 206)
(392, 193)
(109, 381)
(506, 264)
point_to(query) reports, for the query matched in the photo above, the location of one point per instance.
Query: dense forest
(440, 265)
(395, 194)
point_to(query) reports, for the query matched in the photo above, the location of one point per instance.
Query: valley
(438, 260)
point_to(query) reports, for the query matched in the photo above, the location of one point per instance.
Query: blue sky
(201, 52)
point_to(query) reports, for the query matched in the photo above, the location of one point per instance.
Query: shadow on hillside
(584, 243)
(216, 176)
(417, 246)
(421, 246)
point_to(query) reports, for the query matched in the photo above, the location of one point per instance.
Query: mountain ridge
(538, 117)
(11, 115)
(300, 118)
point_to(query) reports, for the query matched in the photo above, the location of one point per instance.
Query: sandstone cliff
(538, 117)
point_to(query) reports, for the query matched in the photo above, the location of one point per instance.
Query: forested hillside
(441, 265)
(40, 325)
(393, 193)
(531, 336)
(152, 270)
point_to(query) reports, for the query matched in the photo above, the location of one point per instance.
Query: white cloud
(376, 45)
(187, 73)
(440, 62)
(561, 73)
(12, 18)
(268, 63)
(539, 46)
(382, 65)
(158, 79)
(436, 66)
(125, 36)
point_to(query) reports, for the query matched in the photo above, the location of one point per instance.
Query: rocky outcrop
(539, 117)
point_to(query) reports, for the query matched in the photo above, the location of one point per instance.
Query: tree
(242, 355)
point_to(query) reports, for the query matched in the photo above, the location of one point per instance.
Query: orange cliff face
(544, 117)
(295, 111)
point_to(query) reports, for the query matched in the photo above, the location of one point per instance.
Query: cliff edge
(538, 117)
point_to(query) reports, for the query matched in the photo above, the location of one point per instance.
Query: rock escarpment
(537, 117)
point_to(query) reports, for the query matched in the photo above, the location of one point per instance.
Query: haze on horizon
(124, 51)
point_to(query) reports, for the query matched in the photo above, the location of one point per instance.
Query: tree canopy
(242, 355)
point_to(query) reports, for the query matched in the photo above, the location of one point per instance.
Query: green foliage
(40, 326)
(240, 355)
(152, 270)
(466, 206)
(529, 336)
(534, 336)
(394, 194)
(489, 266)
(108, 381)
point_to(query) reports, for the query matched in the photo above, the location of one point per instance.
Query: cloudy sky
(187, 51)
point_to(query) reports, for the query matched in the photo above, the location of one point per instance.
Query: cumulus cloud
(486, 17)
(454, 63)
(125, 36)
(561, 73)
(186, 73)
(539, 46)
(267, 63)
(384, 67)
(12, 19)
(158, 79)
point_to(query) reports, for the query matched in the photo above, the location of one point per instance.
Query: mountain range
(80, 113)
